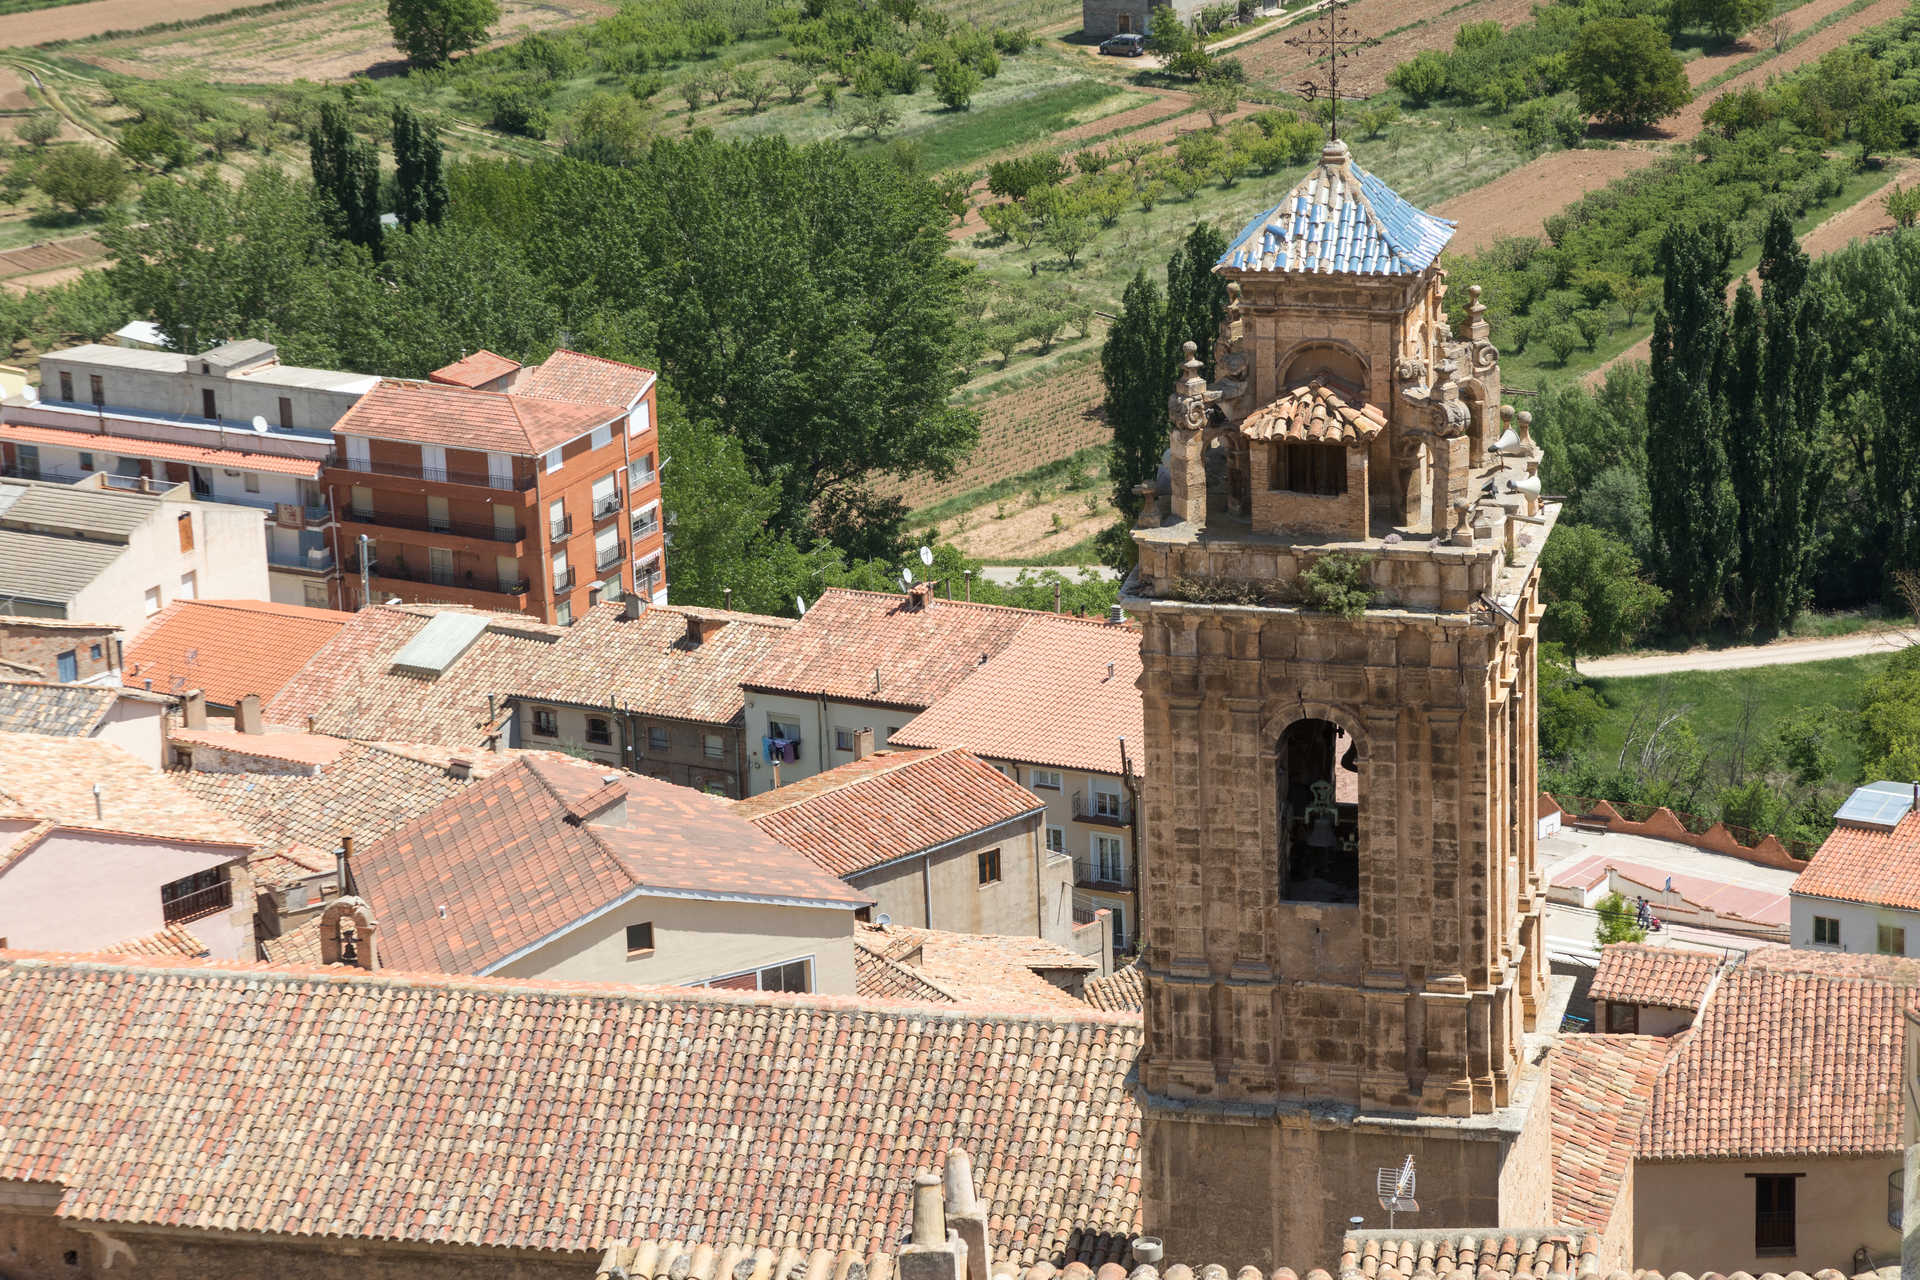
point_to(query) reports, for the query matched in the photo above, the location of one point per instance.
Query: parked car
(1128, 45)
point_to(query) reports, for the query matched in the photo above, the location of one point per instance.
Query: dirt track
(78, 21)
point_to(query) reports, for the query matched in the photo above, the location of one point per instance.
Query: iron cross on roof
(1332, 39)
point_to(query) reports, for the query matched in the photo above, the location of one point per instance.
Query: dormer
(1307, 460)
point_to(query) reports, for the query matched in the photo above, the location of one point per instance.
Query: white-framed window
(1056, 839)
(794, 975)
(1826, 931)
(553, 461)
(1109, 859)
(499, 470)
(1106, 800)
(557, 518)
(563, 613)
(546, 722)
(606, 546)
(151, 599)
(359, 453)
(843, 739)
(189, 586)
(602, 437)
(646, 519)
(639, 419)
(433, 460)
(640, 472)
(1044, 779)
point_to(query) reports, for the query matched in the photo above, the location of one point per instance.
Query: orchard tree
(81, 178)
(1625, 73)
(430, 32)
(38, 130)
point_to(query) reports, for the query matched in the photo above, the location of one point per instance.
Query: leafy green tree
(955, 83)
(1019, 177)
(1219, 98)
(1804, 745)
(38, 129)
(430, 32)
(1596, 599)
(876, 115)
(81, 178)
(1694, 509)
(1747, 448)
(155, 142)
(420, 186)
(1903, 205)
(1133, 365)
(1616, 922)
(1888, 725)
(1570, 711)
(346, 174)
(1625, 73)
(1617, 502)
(1561, 339)
(1168, 37)
(1792, 398)
(609, 128)
(1422, 78)
(1724, 18)
(1895, 441)
(1069, 224)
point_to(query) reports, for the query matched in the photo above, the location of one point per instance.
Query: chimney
(933, 1253)
(193, 711)
(1117, 616)
(726, 597)
(247, 715)
(863, 744)
(343, 865)
(967, 1216)
(702, 629)
(99, 804)
(459, 768)
(632, 606)
(595, 590)
(919, 596)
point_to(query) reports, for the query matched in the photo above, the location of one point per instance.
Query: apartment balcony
(609, 558)
(604, 507)
(645, 526)
(344, 471)
(312, 560)
(1102, 809)
(1097, 879)
(559, 530)
(473, 530)
(201, 902)
(454, 586)
(648, 582)
(563, 581)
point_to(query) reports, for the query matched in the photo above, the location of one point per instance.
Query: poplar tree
(1196, 299)
(1747, 451)
(346, 174)
(1792, 395)
(420, 185)
(1133, 363)
(1694, 510)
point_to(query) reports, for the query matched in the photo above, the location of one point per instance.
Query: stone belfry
(1342, 946)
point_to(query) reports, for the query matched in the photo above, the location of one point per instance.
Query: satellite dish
(883, 919)
(31, 394)
(259, 425)
(906, 576)
(926, 556)
(801, 605)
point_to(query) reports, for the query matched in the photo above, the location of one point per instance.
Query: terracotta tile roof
(353, 690)
(1857, 864)
(986, 969)
(229, 648)
(879, 978)
(584, 379)
(1314, 412)
(651, 664)
(922, 654)
(459, 418)
(1119, 992)
(294, 748)
(505, 863)
(298, 945)
(40, 706)
(165, 450)
(279, 868)
(646, 1112)
(476, 370)
(54, 778)
(894, 803)
(1672, 977)
(1599, 1091)
(174, 940)
(1797, 1053)
(1498, 1254)
(1061, 694)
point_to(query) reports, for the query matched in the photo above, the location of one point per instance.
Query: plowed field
(1420, 24)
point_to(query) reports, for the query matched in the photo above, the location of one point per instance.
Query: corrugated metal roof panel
(78, 507)
(43, 566)
(441, 642)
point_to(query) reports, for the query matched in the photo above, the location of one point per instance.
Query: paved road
(1752, 655)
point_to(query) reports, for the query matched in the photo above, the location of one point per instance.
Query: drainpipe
(1039, 885)
(1133, 829)
(926, 888)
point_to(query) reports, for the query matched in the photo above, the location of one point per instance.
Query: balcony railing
(317, 515)
(464, 579)
(427, 524)
(1091, 875)
(606, 506)
(1102, 808)
(563, 580)
(647, 582)
(609, 558)
(201, 902)
(646, 523)
(53, 475)
(312, 560)
(559, 530)
(439, 475)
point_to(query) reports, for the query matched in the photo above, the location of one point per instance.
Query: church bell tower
(1339, 593)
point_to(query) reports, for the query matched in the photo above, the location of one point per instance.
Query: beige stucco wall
(228, 561)
(118, 879)
(1077, 835)
(1025, 901)
(817, 719)
(1698, 1215)
(139, 727)
(697, 939)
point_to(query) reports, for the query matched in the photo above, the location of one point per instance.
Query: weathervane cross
(1332, 39)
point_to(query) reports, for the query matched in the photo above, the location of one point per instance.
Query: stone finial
(1149, 495)
(1477, 327)
(1523, 423)
(967, 1216)
(1192, 365)
(1462, 534)
(929, 1211)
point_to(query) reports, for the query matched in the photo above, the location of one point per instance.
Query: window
(439, 514)
(200, 894)
(1623, 1019)
(606, 548)
(637, 420)
(1300, 467)
(1045, 780)
(599, 730)
(1826, 931)
(93, 653)
(640, 471)
(361, 501)
(251, 481)
(891, 730)
(714, 787)
(1773, 1197)
(989, 866)
(791, 976)
(640, 939)
(66, 386)
(86, 460)
(656, 737)
(440, 565)
(499, 470)
(186, 531)
(545, 723)
(557, 519)
(68, 664)
(563, 613)
(553, 461)
(359, 453)
(602, 437)
(1110, 859)
(1106, 804)
(150, 600)
(207, 407)
(99, 389)
(286, 413)
(606, 495)
(1056, 839)
(716, 747)
(189, 586)
(1892, 940)
(433, 461)
(843, 740)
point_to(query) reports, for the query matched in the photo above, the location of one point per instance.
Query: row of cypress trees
(346, 173)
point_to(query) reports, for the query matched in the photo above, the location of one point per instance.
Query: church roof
(1314, 412)
(1340, 218)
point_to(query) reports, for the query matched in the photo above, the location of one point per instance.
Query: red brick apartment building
(501, 486)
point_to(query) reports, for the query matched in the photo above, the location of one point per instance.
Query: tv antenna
(1396, 1190)
(1330, 39)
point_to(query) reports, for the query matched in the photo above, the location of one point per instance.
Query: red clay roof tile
(460, 418)
(1671, 977)
(1600, 1087)
(1857, 864)
(584, 379)
(229, 648)
(476, 370)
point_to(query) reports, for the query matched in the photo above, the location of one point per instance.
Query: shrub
(1337, 583)
(155, 142)
(1615, 922)
(1561, 339)
(512, 110)
(1422, 78)
(38, 130)
(954, 84)
(81, 178)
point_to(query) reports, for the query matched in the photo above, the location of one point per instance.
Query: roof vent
(459, 768)
(1116, 615)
